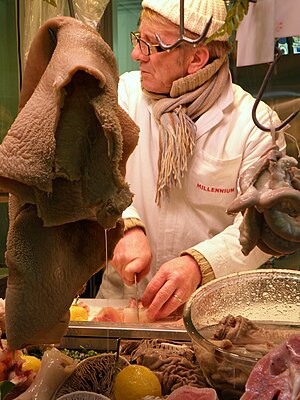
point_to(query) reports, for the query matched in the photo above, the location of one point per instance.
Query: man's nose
(137, 55)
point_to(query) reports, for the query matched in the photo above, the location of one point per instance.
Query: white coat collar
(215, 114)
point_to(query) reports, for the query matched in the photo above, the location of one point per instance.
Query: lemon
(31, 363)
(78, 313)
(135, 382)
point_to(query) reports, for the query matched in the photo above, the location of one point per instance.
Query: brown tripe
(63, 161)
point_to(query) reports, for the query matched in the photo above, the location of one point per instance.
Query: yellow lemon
(31, 363)
(135, 382)
(78, 313)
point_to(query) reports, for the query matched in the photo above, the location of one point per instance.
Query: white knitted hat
(196, 13)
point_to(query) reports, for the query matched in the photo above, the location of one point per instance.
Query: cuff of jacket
(130, 223)
(207, 273)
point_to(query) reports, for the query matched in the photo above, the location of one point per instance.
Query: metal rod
(71, 8)
(183, 38)
(52, 36)
(278, 54)
(181, 18)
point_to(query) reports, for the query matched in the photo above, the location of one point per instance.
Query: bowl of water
(83, 395)
(235, 320)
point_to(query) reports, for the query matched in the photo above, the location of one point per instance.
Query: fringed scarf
(190, 97)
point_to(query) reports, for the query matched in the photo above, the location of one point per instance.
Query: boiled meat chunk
(55, 368)
(63, 162)
(192, 393)
(277, 374)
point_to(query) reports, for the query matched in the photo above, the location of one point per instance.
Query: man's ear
(199, 60)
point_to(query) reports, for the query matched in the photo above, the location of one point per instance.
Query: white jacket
(227, 142)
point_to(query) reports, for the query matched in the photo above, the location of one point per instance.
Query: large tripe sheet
(63, 163)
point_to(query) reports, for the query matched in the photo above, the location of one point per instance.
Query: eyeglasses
(146, 48)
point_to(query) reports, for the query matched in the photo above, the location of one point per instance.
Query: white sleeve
(130, 212)
(124, 89)
(224, 252)
(123, 92)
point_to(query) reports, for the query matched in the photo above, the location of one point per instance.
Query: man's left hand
(170, 288)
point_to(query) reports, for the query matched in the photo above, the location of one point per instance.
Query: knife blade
(136, 298)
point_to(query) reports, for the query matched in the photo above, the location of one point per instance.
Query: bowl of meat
(237, 320)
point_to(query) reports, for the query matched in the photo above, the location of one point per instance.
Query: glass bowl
(269, 298)
(82, 395)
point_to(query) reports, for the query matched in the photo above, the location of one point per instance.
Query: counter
(104, 336)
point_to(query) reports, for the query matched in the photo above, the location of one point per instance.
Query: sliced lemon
(78, 313)
(31, 363)
(135, 382)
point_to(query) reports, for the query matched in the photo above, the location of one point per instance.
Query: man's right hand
(132, 255)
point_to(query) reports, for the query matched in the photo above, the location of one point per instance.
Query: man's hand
(132, 255)
(172, 285)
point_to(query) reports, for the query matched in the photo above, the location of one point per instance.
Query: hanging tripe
(63, 160)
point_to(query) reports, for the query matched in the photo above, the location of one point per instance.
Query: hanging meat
(270, 203)
(63, 163)
(270, 193)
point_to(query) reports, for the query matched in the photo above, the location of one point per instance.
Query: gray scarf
(190, 97)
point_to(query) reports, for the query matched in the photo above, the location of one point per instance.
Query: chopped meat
(188, 393)
(241, 337)
(126, 314)
(237, 329)
(246, 337)
(11, 370)
(277, 374)
(192, 393)
(108, 314)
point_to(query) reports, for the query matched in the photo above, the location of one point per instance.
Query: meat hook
(72, 14)
(183, 38)
(278, 54)
(52, 36)
(71, 8)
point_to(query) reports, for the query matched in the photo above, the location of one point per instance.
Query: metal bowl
(270, 298)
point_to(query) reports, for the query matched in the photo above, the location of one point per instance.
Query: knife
(136, 287)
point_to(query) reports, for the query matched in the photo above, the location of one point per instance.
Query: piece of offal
(63, 163)
(270, 203)
(277, 374)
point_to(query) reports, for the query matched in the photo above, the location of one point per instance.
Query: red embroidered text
(214, 189)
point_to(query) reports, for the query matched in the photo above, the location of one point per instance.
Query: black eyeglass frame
(136, 40)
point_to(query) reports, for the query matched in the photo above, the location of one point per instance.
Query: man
(196, 138)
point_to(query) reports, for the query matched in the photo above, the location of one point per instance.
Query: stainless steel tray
(104, 337)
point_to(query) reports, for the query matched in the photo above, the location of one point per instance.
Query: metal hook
(52, 36)
(278, 54)
(183, 38)
(71, 8)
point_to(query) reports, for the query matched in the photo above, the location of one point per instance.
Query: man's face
(161, 69)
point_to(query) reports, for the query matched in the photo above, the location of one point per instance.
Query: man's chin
(151, 88)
